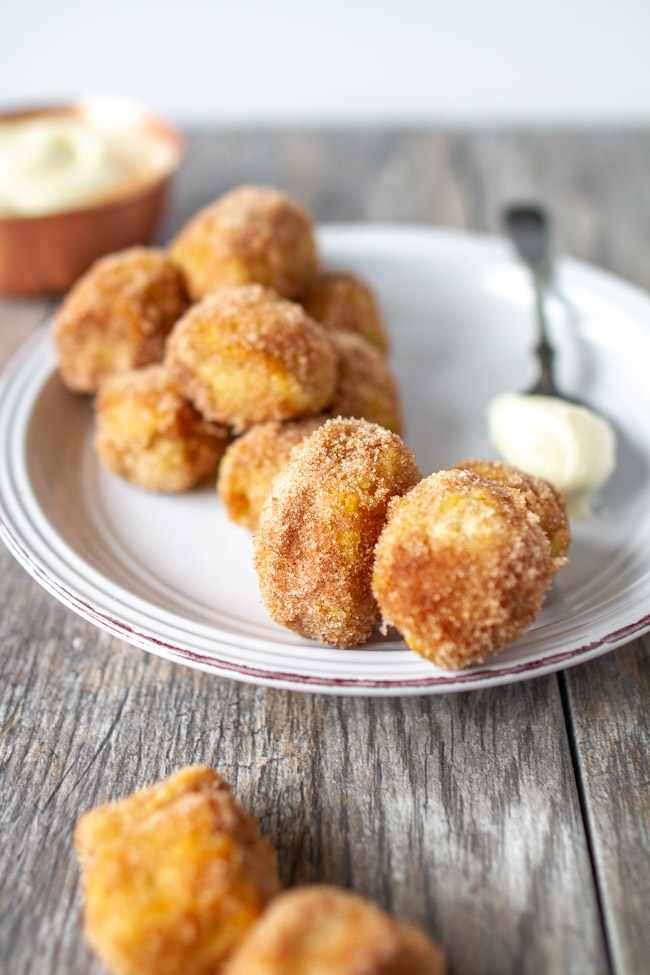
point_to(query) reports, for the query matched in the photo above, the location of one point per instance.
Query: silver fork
(529, 229)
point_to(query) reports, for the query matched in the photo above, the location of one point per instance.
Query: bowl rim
(78, 107)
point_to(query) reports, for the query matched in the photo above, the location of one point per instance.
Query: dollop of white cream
(568, 445)
(53, 163)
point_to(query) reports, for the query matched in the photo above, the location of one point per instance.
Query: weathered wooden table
(513, 824)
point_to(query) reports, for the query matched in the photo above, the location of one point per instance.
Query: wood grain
(463, 812)
(459, 813)
(608, 702)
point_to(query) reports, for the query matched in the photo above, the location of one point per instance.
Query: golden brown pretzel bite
(321, 930)
(151, 435)
(253, 234)
(244, 355)
(252, 461)
(117, 316)
(462, 567)
(540, 497)
(174, 876)
(366, 387)
(341, 301)
(318, 527)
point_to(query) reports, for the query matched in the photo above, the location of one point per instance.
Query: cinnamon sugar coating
(253, 234)
(462, 567)
(117, 316)
(341, 301)
(366, 387)
(318, 528)
(252, 461)
(174, 876)
(245, 355)
(151, 435)
(322, 930)
(539, 496)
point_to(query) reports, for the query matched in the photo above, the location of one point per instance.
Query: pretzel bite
(244, 355)
(318, 527)
(117, 316)
(539, 496)
(252, 461)
(321, 930)
(174, 875)
(149, 434)
(252, 235)
(343, 302)
(462, 567)
(366, 387)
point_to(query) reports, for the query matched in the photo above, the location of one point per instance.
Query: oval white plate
(172, 575)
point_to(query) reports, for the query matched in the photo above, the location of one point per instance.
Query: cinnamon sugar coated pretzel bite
(117, 316)
(321, 930)
(174, 876)
(341, 301)
(245, 355)
(151, 435)
(366, 387)
(318, 528)
(462, 567)
(253, 234)
(252, 461)
(539, 496)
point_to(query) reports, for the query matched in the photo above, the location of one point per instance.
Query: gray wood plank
(595, 184)
(460, 813)
(339, 175)
(609, 707)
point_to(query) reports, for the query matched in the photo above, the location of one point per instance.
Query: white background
(369, 61)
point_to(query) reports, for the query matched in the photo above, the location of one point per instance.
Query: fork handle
(544, 351)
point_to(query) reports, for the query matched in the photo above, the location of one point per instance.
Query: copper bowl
(46, 254)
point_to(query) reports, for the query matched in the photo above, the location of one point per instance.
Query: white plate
(171, 575)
